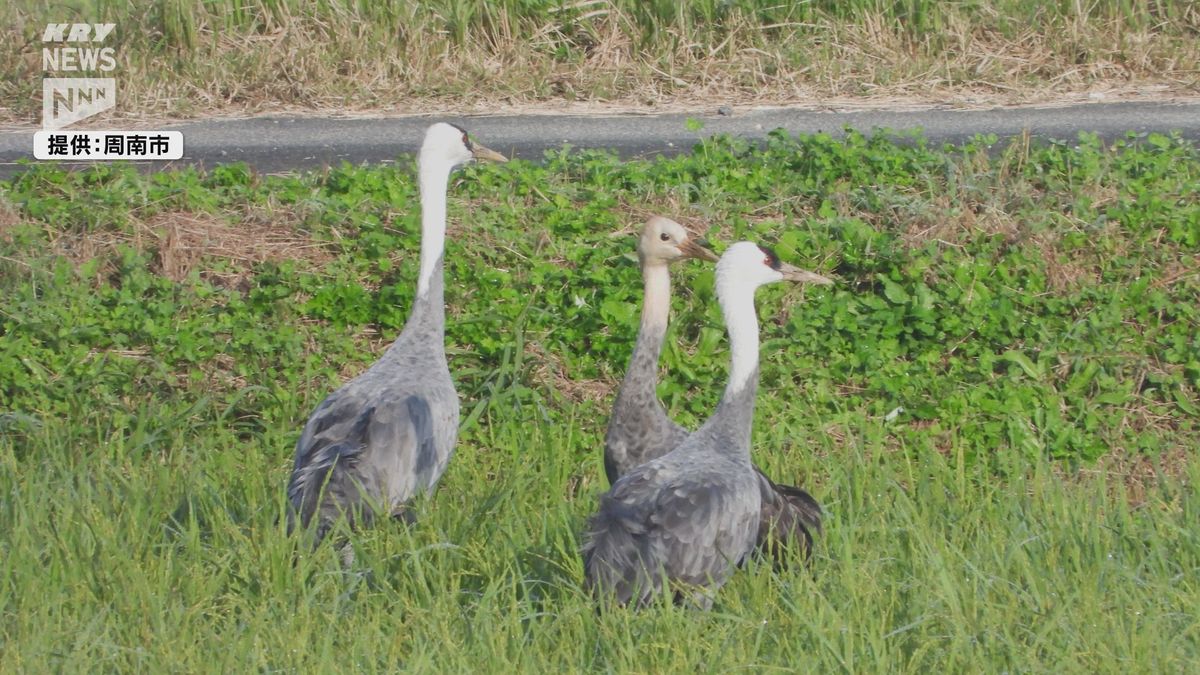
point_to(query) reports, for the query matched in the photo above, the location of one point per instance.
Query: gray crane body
(690, 516)
(385, 436)
(640, 430)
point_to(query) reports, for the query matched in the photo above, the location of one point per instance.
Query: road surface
(277, 144)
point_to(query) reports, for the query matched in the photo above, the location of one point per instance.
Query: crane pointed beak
(793, 273)
(483, 154)
(692, 249)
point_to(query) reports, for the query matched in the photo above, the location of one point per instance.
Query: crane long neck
(429, 305)
(741, 320)
(433, 178)
(735, 413)
(642, 374)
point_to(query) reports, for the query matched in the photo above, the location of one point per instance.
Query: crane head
(664, 241)
(450, 144)
(755, 264)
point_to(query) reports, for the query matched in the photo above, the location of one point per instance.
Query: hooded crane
(640, 430)
(388, 434)
(688, 517)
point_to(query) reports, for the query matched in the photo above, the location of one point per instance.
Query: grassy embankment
(1035, 312)
(181, 58)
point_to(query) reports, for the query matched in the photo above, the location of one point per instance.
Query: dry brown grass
(9, 218)
(1137, 475)
(185, 241)
(550, 373)
(594, 56)
(212, 247)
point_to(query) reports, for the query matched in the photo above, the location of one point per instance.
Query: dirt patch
(1179, 272)
(1140, 474)
(84, 247)
(690, 103)
(221, 251)
(185, 242)
(550, 373)
(8, 218)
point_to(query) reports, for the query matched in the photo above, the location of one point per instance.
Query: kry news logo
(66, 100)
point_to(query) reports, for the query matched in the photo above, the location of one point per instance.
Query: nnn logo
(66, 100)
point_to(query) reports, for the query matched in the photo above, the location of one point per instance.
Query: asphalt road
(275, 144)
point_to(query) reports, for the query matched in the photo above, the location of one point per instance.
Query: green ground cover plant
(191, 57)
(1032, 308)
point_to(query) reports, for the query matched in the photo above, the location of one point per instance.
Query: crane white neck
(656, 299)
(433, 177)
(741, 320)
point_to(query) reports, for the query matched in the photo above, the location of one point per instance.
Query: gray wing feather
(703, 527)
(332, 437)
(340, 416)
(422, 426)
(403, 449)
(354, 456)
(652, 522)
(615, 556)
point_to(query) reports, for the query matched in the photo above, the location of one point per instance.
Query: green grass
(114, 560)
(187, 57)
(1033, 309)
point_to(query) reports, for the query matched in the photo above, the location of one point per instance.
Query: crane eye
(769, 258)
(664, 236)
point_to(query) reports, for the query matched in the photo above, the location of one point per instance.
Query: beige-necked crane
(640, 430)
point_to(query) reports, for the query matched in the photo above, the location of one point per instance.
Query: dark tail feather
(803, 505)
(790, 517)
